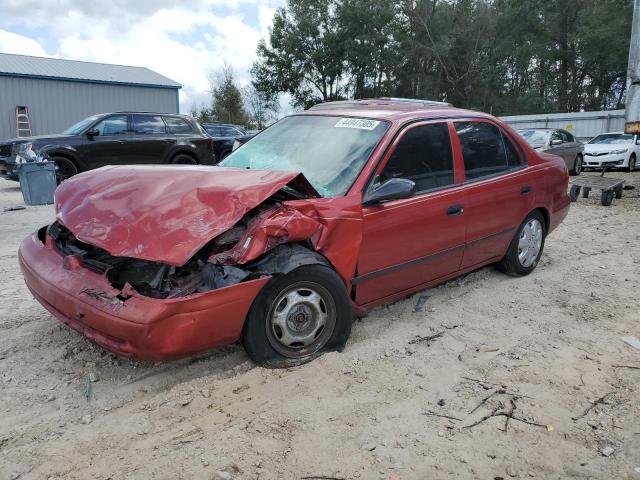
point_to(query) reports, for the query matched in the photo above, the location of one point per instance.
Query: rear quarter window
(177, 125)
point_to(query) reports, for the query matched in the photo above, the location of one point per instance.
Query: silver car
(558, 142)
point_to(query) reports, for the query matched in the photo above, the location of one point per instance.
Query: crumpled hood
(163, 213)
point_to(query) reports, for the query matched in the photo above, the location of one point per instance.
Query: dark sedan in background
(558, 142)
(123, 138)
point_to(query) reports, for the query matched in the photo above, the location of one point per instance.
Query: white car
(617, 147)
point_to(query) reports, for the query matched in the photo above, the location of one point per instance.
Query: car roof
(392, 109)
(129, 112)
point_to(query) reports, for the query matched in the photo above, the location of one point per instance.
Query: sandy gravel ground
(542, 349)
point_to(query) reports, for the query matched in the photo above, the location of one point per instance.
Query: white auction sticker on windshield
(360, 123)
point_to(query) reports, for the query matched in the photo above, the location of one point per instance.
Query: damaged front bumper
(125, 322)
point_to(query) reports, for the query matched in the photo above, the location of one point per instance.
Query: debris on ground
(422, 300)
(633, 341)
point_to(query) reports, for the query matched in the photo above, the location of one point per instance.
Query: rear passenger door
(150, 141)
(498, 190)
(412, 241)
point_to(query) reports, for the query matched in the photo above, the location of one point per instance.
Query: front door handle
(455, 210)
(526, 189)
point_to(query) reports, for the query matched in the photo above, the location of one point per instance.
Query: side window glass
(424, 156)
(148, 125)
(177, 125)
(514, 159)
(556, 136)
(116, 125)
(566, 136)
(483, 149)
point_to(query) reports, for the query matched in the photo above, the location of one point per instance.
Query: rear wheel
(606, 198)
(65, 168)
(526, 247)
(577, 165)
(618, 191)
(574, 192)
(296, 317)
(184, 159)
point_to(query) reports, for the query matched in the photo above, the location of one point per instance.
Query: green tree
(227, 99)
(262, 104)
(500, 56)
(305, 53)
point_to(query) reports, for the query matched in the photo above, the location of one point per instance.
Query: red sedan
(318, 218)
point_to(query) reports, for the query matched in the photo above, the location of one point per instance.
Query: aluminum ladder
(23, 124)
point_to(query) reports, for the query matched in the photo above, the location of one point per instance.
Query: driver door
(110, 146)
(409, 242)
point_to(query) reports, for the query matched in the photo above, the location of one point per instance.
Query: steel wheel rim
(530, 243)
(301, 320)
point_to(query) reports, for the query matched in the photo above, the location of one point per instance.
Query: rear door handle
(524, 190)
(455, 210)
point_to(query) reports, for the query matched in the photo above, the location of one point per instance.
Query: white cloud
(183, 41)
(13, 43)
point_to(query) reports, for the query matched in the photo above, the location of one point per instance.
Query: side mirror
(93, 132)
(392, 189)
(555, 142)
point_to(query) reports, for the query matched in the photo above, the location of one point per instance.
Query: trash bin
(37, 182)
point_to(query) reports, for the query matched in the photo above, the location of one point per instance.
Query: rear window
(177, 125)
(148, 125)
(484, 149)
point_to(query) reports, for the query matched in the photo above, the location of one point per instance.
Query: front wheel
(296, 317)
(632, 163)
(577, 165)
(65, 168)
(526, 247)
(184, 159)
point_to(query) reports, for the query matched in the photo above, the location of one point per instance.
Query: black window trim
(192, 131)
(453, 157)
(523, 158)
(400, 131)
(133, 131)
(128, 131)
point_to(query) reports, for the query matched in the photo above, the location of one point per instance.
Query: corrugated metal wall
(55, 105)
(584, 125)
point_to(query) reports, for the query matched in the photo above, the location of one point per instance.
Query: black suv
(123, 138)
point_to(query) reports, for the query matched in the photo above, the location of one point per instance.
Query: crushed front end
(152, 319)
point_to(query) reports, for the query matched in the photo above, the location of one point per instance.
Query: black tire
(65, 168)
(606, 198)
(184, 159)
(577, 166)
(574, 193)
(259, 335)
(618, 191)
(632, 163)
(510, 264)
(585, 192)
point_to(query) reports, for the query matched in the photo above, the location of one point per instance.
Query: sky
(185, 41)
